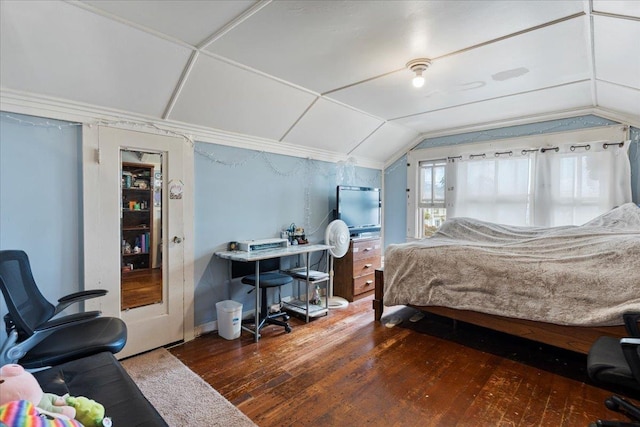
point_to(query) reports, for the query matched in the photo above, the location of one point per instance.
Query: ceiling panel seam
(492, 99)
(363, 81)
(618, 84)
(180, 85)
(615, 15)
(365, 138)
(258, 72)
(512, 35)
(298, 119)
(466, 49)
(233, 23)
(128, 23)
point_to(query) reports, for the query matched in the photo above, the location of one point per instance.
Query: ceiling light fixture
(418, 66)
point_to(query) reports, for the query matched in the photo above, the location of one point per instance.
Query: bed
(564, 286)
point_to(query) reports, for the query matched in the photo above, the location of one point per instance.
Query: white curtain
(558, 187)
(573, 187)
(495, 189)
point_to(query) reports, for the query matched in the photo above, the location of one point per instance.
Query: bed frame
(575, 338)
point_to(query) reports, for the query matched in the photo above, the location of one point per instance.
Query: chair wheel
(287, 329)
(611, 404)
(286, 317)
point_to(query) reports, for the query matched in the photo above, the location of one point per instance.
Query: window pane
(426, 173)
(431, 219)
(432, 183)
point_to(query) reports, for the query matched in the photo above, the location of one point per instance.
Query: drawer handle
(368, 282)
(368, 265)
(367, 249)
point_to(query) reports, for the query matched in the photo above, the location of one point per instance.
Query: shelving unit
(306, 308)
(137, 216)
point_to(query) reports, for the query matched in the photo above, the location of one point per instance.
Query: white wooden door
(153, 325)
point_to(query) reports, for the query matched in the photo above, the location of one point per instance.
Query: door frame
(96, 234)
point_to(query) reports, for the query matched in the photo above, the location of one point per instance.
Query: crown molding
(61, 109)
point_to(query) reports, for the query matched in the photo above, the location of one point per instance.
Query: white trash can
(229, 319)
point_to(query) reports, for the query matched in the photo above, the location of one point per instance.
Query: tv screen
(359, 208)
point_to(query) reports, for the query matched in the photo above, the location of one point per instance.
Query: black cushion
(606, 363)
(268, 280)
(109, 334)
(101, 377)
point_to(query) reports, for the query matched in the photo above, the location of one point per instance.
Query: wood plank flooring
(140, 288)
(346, 369)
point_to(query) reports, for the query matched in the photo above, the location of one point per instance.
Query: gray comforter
(584, 275)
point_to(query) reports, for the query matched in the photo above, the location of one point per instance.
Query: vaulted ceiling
(325, 76)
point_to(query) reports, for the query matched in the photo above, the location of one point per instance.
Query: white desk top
(271, 253)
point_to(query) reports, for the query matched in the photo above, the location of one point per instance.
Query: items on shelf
(135, 205)
(295, 235)
(137, 216)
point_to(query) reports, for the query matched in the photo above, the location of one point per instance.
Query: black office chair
(616, 363)
(35, 336)
(270, 278)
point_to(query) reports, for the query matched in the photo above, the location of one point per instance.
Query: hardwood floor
(346, 369)
(140, 288)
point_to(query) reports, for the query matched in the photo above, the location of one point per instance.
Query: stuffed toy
(18, 384)
(89, 412)
(22, 413)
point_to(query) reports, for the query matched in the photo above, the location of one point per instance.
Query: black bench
(101, 377)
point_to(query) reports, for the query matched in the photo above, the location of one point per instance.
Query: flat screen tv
(359, 208)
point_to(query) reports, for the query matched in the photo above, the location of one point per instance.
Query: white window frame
(432, 203)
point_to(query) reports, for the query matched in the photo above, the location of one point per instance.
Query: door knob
(177, 239)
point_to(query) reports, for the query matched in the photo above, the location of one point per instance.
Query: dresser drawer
(364, 284)
(366, 249)
(365, 266)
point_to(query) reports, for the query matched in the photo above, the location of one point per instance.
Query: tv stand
(354, 273)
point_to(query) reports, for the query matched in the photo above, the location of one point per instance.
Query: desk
(259, 255)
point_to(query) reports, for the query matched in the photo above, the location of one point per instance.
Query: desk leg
(257, 326)
(307, 287)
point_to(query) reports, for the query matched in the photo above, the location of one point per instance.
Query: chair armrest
(75, 297)
(630, 347)
(11, 350)
(631, 323)
(65, 320)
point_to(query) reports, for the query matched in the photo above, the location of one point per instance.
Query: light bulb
(418, 66)
(418, 81)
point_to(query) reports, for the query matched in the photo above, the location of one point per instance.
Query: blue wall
(396, 213)
(242, 194)
(41, 200)
(239, 194)
(395, 202)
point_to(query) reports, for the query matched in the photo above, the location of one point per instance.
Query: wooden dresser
(354, 273)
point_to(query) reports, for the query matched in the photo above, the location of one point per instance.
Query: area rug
(181, 397)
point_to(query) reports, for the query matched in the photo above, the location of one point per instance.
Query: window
(432, 196)
(576, 177)
(495, 189)
(575, 186)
